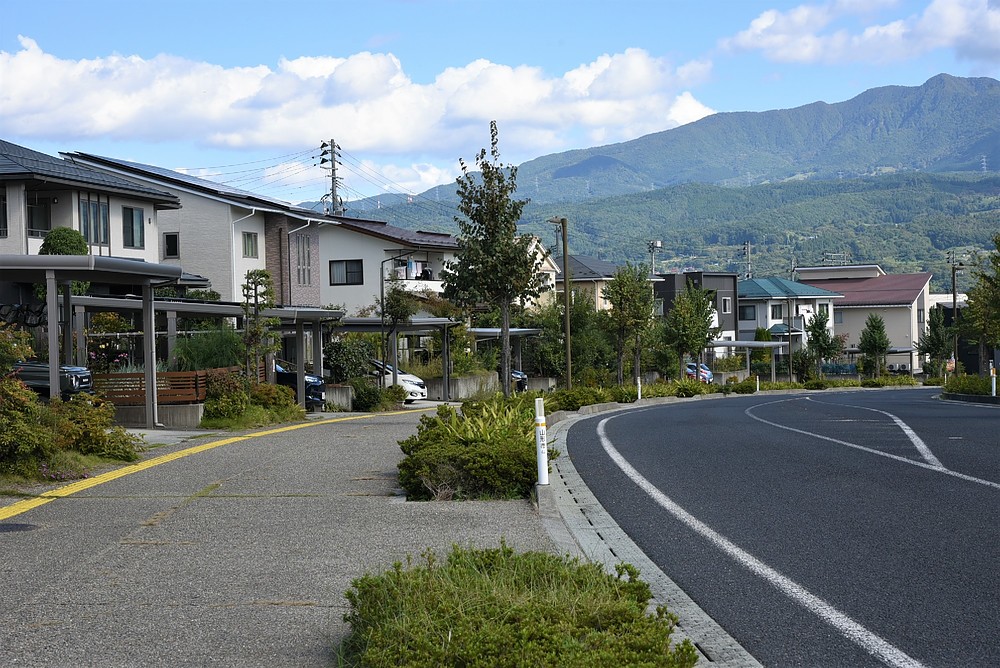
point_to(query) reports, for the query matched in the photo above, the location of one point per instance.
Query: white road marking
(870, 642)
(918, 442)
(905, 460)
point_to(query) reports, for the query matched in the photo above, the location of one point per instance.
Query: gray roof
(583, 268)
(418, 238)
(781, 288)
(23, 164)
(179, 178)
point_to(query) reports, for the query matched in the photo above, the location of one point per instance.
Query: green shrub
(815, 384)
(966, 384)
(272, 396)
(934, 380)
(25, 438)
(572, 400)
(780, 385)
(496, 608)
(227, 395)
(625, 394)
(214, 346)
(689, 387)
(86, 424)
(748, 386)
(367, 395)
(394, 395)
(228, 406)
(486, 452)
(872, 382)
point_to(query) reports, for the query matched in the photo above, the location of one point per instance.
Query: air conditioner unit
(903, 367)
(892, 367)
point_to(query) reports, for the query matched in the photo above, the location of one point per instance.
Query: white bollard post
(993, 380)
(638, 387)
(541, 447)
(758, 382)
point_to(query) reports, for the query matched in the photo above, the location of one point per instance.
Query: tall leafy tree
(631, 300)
(982, 313)
(395, 308)
(874, 344)
(493, 264)
(936, 342)
(822, 343)
(688, 325)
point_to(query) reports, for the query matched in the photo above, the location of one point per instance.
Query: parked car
(704, 374)
(518, 380)
(72, 379)
(414, 386)
(315, 386)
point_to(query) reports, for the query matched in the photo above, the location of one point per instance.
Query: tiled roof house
(901, 300)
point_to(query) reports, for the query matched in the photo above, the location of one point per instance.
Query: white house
(784, 308)
(38, 193)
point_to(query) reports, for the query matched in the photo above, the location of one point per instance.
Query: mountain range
(797, 184)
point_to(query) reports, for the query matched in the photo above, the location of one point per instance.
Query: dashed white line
(867, 640)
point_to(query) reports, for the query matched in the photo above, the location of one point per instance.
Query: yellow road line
(14, 509)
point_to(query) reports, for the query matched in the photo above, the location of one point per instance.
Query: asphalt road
(830, 529)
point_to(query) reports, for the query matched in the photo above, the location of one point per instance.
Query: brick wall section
(283, 268)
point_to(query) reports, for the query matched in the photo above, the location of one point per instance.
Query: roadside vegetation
(55, 441)
(494, 607)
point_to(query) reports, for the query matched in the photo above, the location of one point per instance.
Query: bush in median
(496, 608)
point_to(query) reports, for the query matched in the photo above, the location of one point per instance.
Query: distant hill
(710, 185)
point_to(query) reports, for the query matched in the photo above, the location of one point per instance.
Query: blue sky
(244, 91)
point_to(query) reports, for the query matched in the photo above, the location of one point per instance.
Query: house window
(133, 233)
(94, 221)
(776, 312)
(920, 315)
(3, 213)
(824, 309)
(39, 218)
(249, 244)
(838, 317)
(303, 260)
(171, 245)
(347, 272)
(727, 304)
(748, 312)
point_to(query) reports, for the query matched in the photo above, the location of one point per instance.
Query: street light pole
(654, 246)
(561, 220)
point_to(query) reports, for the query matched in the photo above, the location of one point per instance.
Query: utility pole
(956, 266)
(563, 222)
(746, 254)
(329, 152)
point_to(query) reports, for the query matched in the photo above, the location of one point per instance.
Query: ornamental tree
(631, 299)
(493, 265)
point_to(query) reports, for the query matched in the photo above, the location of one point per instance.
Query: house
(901, 300)
(361, 255)
(587, 276)
(784, 308)
(223, 232)
(721, 285)
(116, 216)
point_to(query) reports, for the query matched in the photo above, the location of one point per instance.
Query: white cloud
(366, 101)
(833, 32)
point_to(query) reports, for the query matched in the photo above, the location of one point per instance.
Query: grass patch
(493, 607)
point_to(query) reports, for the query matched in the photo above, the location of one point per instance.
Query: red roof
(888, 290)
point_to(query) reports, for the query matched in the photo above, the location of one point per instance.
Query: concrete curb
(581, 527)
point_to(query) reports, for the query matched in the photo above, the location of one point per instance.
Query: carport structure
(747, 346)
(375, 325)
(61, 270)
(292, 318)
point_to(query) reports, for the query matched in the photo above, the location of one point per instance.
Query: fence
(172, 387)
